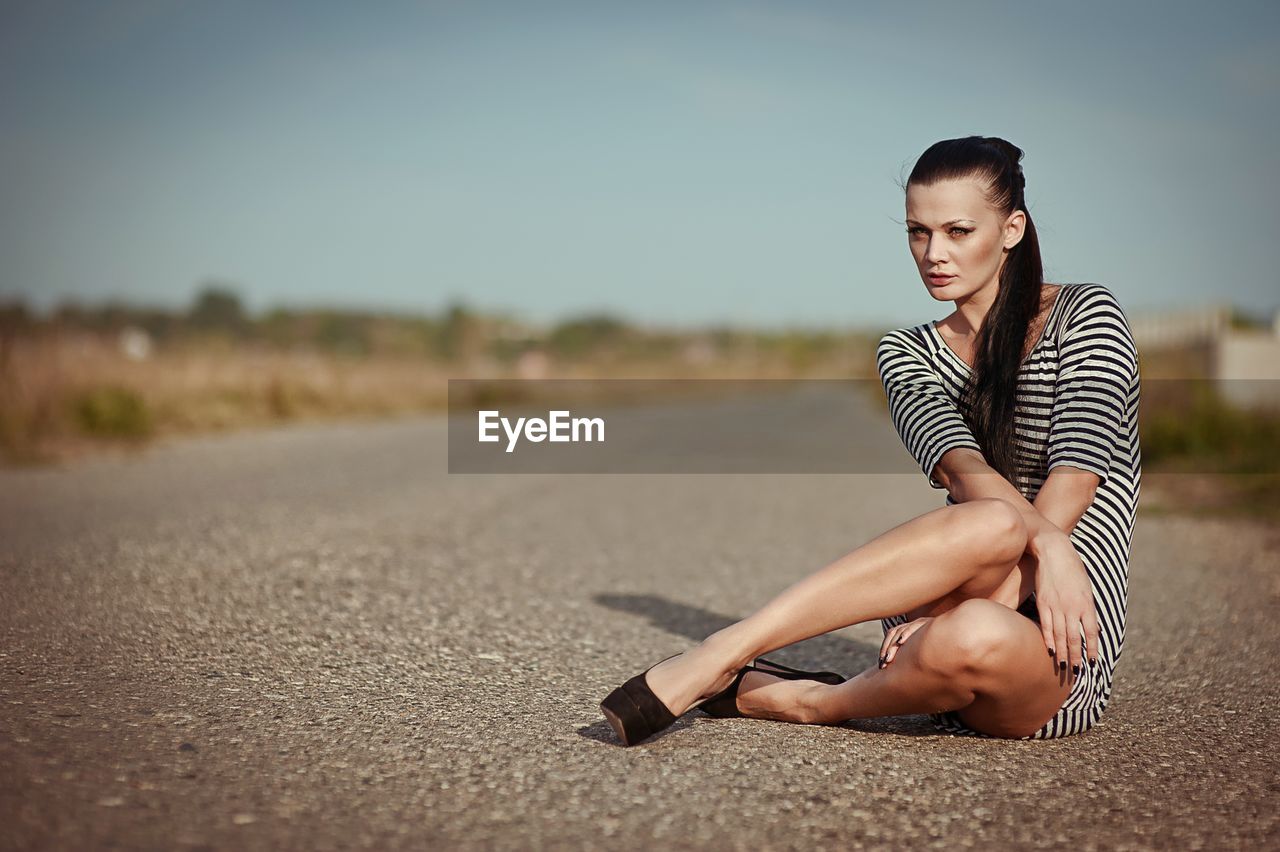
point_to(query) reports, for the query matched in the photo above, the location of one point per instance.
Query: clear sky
(677, 163)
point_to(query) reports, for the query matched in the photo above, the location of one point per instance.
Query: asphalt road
(316, 638)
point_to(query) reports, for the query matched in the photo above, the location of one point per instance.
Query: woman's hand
(897, 635)
(1064, 599)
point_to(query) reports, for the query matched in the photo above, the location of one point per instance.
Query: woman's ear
(1014, 227)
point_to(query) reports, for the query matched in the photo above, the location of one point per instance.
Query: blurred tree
(581, 336)
(160, 324)
(218, 308)
(14, 317)
(70, 315)
(281, 327)
(112, 316)
(343, 332)
(461, 335)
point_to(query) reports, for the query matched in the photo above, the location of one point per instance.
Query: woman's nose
(934, 252)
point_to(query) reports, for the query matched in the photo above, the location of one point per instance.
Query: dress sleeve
(1097, 372)
(928, 421)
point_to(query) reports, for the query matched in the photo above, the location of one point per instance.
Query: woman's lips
(940, 279)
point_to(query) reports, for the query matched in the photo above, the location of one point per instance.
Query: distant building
(1244, 363)
(1176, 329)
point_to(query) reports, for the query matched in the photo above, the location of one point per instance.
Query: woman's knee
(968, 639)
(994, 526)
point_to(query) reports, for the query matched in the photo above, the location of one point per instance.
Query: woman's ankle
(725, 644)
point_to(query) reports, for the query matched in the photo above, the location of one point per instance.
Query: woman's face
(958, 240)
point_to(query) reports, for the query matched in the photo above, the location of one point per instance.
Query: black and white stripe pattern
(1077, 406)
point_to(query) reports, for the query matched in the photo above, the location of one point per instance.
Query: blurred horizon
(114, 314)
(726, 164)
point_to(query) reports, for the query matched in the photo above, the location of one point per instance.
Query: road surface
(317, 638)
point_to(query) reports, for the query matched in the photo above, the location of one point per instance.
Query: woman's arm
(1065, 495)
(1064, 594)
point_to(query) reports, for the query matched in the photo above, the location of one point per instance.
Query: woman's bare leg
(980, 658)
(965, 550)
(923, 678)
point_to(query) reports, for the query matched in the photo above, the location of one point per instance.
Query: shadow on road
(827, 652)
(813, 654)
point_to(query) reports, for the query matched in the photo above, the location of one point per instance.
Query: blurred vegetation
(218, 309)
(1198, 431)
(112, 412)
(86, 376)
(217, 318)
(1204, 455)
(1246, 321)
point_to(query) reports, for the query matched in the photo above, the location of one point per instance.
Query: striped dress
(1077, 406)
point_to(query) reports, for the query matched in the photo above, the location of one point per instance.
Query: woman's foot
(765, 696)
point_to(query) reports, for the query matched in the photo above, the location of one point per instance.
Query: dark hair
(990, 395)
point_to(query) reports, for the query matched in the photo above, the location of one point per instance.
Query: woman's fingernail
(1062, 664)
(1050, 652)
(1075, 670)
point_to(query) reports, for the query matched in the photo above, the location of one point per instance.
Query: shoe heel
(634, 712)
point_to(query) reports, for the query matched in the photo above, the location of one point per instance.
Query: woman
(1022, 404)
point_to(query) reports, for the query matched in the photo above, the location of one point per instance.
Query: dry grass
(67, 393)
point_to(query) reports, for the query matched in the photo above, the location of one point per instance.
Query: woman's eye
(955, 232)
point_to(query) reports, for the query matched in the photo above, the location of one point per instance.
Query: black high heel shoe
(724, 705)
(635, 713)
